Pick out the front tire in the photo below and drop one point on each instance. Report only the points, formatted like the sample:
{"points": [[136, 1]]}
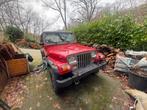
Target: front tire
{"points": [[53, 79]]}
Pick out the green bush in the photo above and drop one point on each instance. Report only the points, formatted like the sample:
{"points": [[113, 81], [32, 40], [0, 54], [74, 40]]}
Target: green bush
{"points": [[117, 31], [29, 37], [141, 46], [13, 33]]}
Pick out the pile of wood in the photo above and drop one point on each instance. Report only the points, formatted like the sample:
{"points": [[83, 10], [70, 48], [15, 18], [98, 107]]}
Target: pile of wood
{"points": [[109, 52]]}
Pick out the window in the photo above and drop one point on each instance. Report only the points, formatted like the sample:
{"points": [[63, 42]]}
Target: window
{"points": [[59, 38]]}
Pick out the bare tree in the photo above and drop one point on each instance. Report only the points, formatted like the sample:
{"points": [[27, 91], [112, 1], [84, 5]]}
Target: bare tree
{"points": [[13, 13], [86, 8], [2, 2], [59, 6], [38, 25]]}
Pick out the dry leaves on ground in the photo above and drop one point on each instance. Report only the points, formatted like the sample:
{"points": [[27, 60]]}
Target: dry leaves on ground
{"points": [[14, 92]]}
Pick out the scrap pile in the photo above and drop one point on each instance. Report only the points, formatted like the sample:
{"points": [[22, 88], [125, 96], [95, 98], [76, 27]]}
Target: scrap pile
{"points": [[27, 44], [132, 64], [7, 52], [11, 58], [131, 60], [109, 52]]}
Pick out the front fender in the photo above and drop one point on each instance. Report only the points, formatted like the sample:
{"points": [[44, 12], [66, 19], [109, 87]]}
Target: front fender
{"points": [[51, 65]]}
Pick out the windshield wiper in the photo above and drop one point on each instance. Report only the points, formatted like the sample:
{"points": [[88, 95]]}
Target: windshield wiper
{"points": [[61, 38]]}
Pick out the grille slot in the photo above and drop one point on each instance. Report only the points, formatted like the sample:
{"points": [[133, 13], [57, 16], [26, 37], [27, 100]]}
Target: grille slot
{"points": [[84, 59]]}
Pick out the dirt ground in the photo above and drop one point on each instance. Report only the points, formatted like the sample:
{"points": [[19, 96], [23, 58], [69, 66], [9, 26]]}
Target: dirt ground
{"points": [[97, 92]]}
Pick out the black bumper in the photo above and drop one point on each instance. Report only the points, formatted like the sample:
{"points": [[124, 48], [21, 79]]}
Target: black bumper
{"points": [[79, 74]]}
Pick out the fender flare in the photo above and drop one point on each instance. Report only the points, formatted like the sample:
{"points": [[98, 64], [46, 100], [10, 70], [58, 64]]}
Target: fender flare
{"points": [[51, 65]]}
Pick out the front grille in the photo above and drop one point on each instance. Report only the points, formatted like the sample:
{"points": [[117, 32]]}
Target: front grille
{"points": [[84, 59]]}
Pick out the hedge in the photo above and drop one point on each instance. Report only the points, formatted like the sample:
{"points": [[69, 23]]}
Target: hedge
{"points": [[117, 31]]}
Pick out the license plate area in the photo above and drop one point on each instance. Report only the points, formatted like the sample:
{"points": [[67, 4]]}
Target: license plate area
{"points": [[87, 69]]}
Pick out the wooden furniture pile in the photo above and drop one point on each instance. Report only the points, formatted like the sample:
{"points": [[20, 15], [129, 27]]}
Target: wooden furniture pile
{"points": [[12, 63]]}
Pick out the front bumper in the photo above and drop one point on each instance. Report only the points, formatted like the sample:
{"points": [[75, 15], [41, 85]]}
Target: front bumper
{"points": [[79, 74]]}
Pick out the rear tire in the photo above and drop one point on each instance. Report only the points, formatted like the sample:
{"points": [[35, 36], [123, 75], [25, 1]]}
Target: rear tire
{"points": [[53, 78]]}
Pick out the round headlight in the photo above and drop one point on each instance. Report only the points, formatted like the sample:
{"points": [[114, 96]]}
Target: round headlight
{"points": [[93, 54], [72, 60]]}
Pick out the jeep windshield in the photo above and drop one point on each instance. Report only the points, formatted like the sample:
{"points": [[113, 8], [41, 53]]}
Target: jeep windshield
{"points": [[58, 38]]}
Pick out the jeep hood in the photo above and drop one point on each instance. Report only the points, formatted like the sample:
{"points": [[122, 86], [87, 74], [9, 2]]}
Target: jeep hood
{"points": [[67, 49]]}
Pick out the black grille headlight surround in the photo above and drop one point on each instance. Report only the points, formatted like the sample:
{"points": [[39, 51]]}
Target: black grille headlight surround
{"points": [[72, 60], [93, 54]]}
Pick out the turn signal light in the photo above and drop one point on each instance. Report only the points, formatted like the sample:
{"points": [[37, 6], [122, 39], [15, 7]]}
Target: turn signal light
{"points": [[65, 69]]}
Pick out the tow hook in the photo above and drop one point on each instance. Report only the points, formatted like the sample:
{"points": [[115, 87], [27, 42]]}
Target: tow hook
{"points": [[77, 82]]}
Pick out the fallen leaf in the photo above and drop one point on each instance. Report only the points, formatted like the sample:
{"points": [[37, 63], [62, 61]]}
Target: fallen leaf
{"points": [[38, 104]]}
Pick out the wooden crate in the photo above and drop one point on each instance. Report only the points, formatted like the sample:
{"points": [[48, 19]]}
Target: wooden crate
{"points": [[17, 67]]}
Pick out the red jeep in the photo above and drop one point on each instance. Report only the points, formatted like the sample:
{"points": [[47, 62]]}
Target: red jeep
{"points": [[67, 60]]}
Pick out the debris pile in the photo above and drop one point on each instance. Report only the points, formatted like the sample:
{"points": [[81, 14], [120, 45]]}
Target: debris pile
{"points": [[130, 66], [11, 57], [14, 91], [109, 52], [7, 52], [26, 44], [126, 62], [134, 65]]}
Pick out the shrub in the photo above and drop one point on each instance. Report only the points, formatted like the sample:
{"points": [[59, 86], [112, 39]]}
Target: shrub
{"points": [[117, 31], [13, 33], [141, 46], [29, 37]]}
